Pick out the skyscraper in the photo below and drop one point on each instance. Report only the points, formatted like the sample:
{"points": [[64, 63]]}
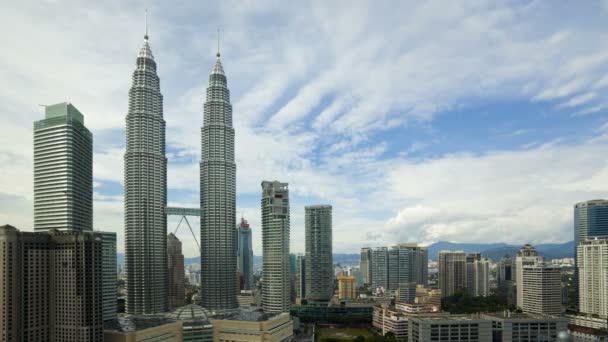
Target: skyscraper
{"points": [[108, 254], [413, 264], [482, 277], [51, 285], [379, 266], [275, 247], [452, 272], [63, 170], [541, 289], [590, 221], [175, 272], [365, 265], [319, 258], [592, 256], [527, 256], [218, 197], [145, 191], [300, 277], [245, 254], [471, 258], [393, 269]]}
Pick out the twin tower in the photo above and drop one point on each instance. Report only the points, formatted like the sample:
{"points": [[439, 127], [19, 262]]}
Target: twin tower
{"points": [[145, 194]]}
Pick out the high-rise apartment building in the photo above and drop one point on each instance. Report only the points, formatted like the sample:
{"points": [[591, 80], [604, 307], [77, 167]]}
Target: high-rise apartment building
{"points": [[63, 170], [108, 251], [218, 196], [413, 264], [52, 285], [541, 289], [590, 221], [393, 269], [471, 258], [300, 276], [346, 287], [592, 258], [275, 247], [452, 272], [379, 267], [175, 272], [145, 191], [482, 277], [527, 256], [245, 254], [319, 257], [505, 271], [365, 265]]}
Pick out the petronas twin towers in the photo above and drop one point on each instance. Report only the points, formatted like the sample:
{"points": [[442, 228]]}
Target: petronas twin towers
{"points": [[145, 193]]}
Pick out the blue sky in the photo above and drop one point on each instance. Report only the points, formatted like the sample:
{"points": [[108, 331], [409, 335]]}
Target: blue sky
{"points": [[468, 121]]}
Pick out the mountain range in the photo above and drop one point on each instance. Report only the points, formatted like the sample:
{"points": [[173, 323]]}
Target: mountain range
{"points": [[494, 251]]}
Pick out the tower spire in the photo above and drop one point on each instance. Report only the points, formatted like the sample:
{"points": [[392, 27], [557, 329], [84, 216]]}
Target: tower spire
{"points": [[218, 43], [146, 35]]}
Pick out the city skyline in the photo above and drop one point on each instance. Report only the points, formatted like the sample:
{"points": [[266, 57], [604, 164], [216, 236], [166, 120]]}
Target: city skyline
{"points": [[313, 122]]}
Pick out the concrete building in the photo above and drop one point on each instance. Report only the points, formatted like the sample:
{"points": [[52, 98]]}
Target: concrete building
{"points": [[365, 265], [541, 289], [406, 293], [147, 328], [319, 257], [145, 191], [471, 258], [389, 320], [63, 170], [592, 263], [452, 272], [450, 328], [587, 328], [52, 285], [510, 326], [413, 264], [218, 197], [346, 287], [175, 272], [527, 256], [244, 261], [505, 278], [108, 252], [300, 276], [379, 267], [481, 277], [275, 247], [252, 326], [430, 297], [196, 326]]}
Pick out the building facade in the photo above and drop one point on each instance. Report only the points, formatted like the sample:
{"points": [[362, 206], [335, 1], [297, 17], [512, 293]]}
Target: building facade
{"points": [[63, 170], [145, 191], [276, 296], [319, 257], [482, 277], [253, 327], [451, 328], [52, 283], [110, 307], [452, 272], [541, 289], [471, 258], [245, 254], [218, 196], [300, 276], [347, 287], [527, 256], [145, 328], [175, 272], [592, 263], [379, 267], [365, 265], [510, 326]]}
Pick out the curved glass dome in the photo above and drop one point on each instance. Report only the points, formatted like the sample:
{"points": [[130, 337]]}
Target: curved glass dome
{"points": [[191, 312]]}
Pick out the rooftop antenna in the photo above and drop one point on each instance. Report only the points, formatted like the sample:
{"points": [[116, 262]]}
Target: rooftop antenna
{"points": [[218, 43], [146, 36]]}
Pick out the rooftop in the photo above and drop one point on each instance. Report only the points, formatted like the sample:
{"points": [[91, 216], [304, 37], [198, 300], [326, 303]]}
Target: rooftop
{"points": [[190, 312], [127, 323], [246, 314], [516, 316]]}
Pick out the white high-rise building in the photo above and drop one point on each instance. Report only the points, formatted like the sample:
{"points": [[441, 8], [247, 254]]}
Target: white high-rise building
{"points": [[541, 289], [482, 277], [527, 256], [276, 295], [592, 259]]}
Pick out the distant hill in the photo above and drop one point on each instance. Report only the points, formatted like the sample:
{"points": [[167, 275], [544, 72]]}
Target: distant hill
{"points": [[494, 251]]}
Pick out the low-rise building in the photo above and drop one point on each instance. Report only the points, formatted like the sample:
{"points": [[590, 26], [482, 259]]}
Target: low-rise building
{"points": [[346, 287], [448, 328], [252, 326], [343, 312], [508, 326], [587, 328], [389, 320], [196, 326], [127, 328]]}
